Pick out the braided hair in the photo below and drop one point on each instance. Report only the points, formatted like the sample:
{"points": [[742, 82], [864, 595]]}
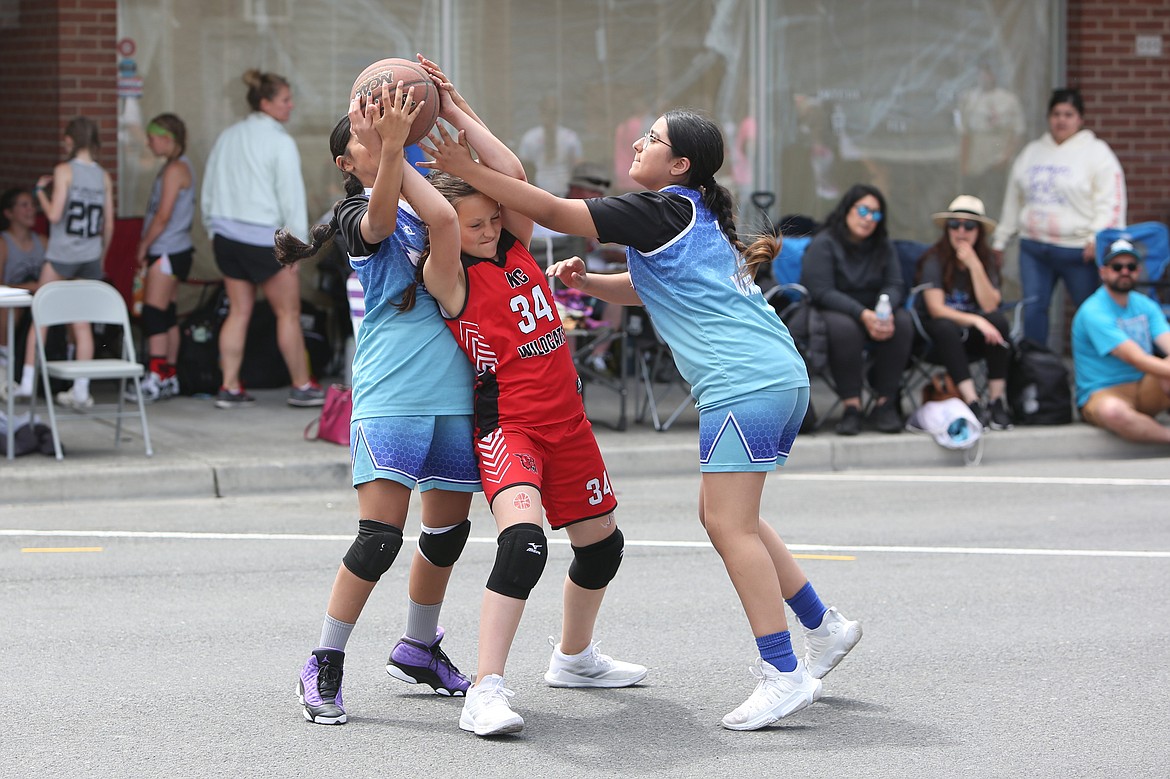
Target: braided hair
{"points": [[289, 249], [700, 140]]}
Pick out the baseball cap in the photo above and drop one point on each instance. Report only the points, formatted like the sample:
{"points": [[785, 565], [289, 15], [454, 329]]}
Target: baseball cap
{"points": [[1120, 247]]}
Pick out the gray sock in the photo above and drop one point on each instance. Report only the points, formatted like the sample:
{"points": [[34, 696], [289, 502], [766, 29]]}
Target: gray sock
{"points": [[422, 622], [335, 633]]}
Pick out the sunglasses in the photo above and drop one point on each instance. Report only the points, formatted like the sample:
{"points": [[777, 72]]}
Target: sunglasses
{"points": [[1118, 267], [650, 138], [962, 224], [874, 214]]}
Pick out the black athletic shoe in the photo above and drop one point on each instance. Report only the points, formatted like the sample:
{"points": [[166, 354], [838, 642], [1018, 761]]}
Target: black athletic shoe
{"points": [[850, 423], [886, 417], [1000, 418], [981, 413]]}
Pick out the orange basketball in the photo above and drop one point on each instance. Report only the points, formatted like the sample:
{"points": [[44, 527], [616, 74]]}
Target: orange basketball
{"points": [[391, 71]]}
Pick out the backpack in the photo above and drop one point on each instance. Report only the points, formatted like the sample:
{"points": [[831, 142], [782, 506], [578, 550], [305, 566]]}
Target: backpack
{"points": [[198, 364], [1038, 386]]}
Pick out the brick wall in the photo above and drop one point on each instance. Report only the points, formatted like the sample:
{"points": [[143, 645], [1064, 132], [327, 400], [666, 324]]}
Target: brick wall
{"points": [[1127, 95], [57, 60]]}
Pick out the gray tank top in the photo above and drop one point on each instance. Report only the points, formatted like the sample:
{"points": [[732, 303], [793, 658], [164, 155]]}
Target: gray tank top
{"points": [[176, 237], [77, 237], [23, 265]]}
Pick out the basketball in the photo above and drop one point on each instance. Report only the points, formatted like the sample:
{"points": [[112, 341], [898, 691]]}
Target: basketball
{"points": [[391, 71]]}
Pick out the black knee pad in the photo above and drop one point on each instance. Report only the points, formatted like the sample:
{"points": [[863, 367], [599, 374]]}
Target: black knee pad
{"points": [[594, 566], [154, 320], [373, 551], [172, 316], [443, 549], [520, 558]]}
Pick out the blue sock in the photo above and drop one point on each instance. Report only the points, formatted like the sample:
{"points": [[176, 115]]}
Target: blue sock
{"points": [[807, 606], [777, 650]]}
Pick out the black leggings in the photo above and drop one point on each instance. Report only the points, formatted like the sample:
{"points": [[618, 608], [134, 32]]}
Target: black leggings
{"points": [[955, 346], [848, 341]]}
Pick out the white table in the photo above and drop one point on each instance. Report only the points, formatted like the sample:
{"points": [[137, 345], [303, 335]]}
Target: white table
{"points": [[12, 298]]}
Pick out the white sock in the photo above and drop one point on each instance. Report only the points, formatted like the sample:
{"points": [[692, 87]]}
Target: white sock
{"points": [[26, 380], [81, 389]]}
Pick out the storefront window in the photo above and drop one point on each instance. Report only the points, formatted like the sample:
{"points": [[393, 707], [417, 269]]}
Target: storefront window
{"points": [[811, 96]]}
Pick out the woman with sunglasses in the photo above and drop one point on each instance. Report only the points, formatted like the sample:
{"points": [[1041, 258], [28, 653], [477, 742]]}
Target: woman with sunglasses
{"points": [[1064, 187], [961, 307], [848, 266]]}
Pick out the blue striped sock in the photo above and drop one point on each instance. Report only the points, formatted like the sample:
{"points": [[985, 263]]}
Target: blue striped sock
{"points": [[807, 606], [776, 648]]}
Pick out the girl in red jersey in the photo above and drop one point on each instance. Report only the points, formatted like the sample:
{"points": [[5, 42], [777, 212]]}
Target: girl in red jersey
{"points": [[536, 449]]}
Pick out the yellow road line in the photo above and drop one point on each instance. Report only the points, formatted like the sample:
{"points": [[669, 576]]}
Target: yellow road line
{"points": [[55, 549], [824, 557]]}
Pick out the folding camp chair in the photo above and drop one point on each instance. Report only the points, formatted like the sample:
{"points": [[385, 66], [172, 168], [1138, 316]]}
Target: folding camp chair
{"points": [[64, 302], [657, 375], [1151, 240]]}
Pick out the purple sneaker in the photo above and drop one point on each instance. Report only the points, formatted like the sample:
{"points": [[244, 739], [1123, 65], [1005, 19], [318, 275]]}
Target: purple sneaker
{"points": [[413, 662], [319, 688]]}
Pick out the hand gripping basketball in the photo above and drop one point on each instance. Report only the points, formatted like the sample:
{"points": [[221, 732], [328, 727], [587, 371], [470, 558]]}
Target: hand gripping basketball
{"points": [[391, 71]]}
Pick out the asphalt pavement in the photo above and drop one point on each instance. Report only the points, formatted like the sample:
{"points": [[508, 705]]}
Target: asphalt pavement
{"points": [[1015, 625]]}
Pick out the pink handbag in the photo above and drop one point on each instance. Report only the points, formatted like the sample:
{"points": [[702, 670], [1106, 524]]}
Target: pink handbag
{"points": [[333, 424]]}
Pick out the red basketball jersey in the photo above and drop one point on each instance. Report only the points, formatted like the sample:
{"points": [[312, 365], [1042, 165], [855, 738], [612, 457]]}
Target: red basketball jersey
{"points": [[510, 329]]}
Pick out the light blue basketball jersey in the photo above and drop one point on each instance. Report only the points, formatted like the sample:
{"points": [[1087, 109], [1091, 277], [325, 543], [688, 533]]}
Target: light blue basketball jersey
{"points": [[406, 363], [727, 341]]}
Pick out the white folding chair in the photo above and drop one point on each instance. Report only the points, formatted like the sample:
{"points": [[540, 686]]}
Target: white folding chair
{"points": [[64, 302]]}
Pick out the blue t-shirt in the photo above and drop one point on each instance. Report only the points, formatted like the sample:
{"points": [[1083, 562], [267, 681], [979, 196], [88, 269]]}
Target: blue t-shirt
{"points": [[406, 363], [726, 340], [1099, 327]]}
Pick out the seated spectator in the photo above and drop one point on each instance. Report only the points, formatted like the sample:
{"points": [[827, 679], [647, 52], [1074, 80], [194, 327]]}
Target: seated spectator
{"points": [[961, 307], [847, 267], [1121, 385], [22, 253]]}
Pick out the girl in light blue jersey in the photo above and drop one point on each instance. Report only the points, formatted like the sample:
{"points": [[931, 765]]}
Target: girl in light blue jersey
{"points": [[689, 269], [411, 423]]}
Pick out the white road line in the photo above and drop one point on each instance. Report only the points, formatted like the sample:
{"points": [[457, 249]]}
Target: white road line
{"points": [[943, 550], [908, 478]]}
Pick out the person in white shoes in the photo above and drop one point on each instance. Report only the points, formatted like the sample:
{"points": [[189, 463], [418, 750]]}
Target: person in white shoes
{"points": [[77, 244], [537, 453], [689, 269]]}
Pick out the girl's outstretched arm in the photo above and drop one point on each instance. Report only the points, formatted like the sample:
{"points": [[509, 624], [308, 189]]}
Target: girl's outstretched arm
{"points": [[381, 127], [491, 150], [442, 272], [561, 214], [610, 287]]}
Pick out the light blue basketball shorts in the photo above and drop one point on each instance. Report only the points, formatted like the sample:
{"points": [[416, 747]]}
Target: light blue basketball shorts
{"points": [[752, 433]]}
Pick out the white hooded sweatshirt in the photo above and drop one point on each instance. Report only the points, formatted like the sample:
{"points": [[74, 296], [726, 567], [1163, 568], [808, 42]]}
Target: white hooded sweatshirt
{"points": [[1062, 194]]}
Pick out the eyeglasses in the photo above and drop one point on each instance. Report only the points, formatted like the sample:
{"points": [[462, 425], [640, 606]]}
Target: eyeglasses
{"points": [[650, 138], [1128, 267], [866, 211], [962, 224]]}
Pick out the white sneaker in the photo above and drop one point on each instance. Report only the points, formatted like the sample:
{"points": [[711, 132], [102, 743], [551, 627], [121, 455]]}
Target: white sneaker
{"points": [[66, 399], [169, 388], [486, 711], [590, 669], [151, 389], [776, 696], [827, 645]]}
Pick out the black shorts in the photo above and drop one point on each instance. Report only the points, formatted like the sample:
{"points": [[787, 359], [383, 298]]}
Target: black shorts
{"points": [[245, 261], [180, 263]]}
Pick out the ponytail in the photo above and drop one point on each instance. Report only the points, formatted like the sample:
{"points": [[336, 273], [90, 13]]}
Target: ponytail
{"points": [[718, 200], [763, 250], [290, 250]]}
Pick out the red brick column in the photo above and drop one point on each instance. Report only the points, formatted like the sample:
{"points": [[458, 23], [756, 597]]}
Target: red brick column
{"points": [[57, 60], [1127, 95]]}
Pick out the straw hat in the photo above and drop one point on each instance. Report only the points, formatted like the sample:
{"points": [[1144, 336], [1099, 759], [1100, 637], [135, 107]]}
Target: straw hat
{"points": [[965, 207]]}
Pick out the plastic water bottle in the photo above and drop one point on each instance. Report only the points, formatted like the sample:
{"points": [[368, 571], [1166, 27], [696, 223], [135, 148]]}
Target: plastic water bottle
{"points": [[883, 308]]}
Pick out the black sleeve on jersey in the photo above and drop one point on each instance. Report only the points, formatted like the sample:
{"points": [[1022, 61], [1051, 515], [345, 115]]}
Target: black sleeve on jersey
{"points": [[349, 213], [643, 220]]}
